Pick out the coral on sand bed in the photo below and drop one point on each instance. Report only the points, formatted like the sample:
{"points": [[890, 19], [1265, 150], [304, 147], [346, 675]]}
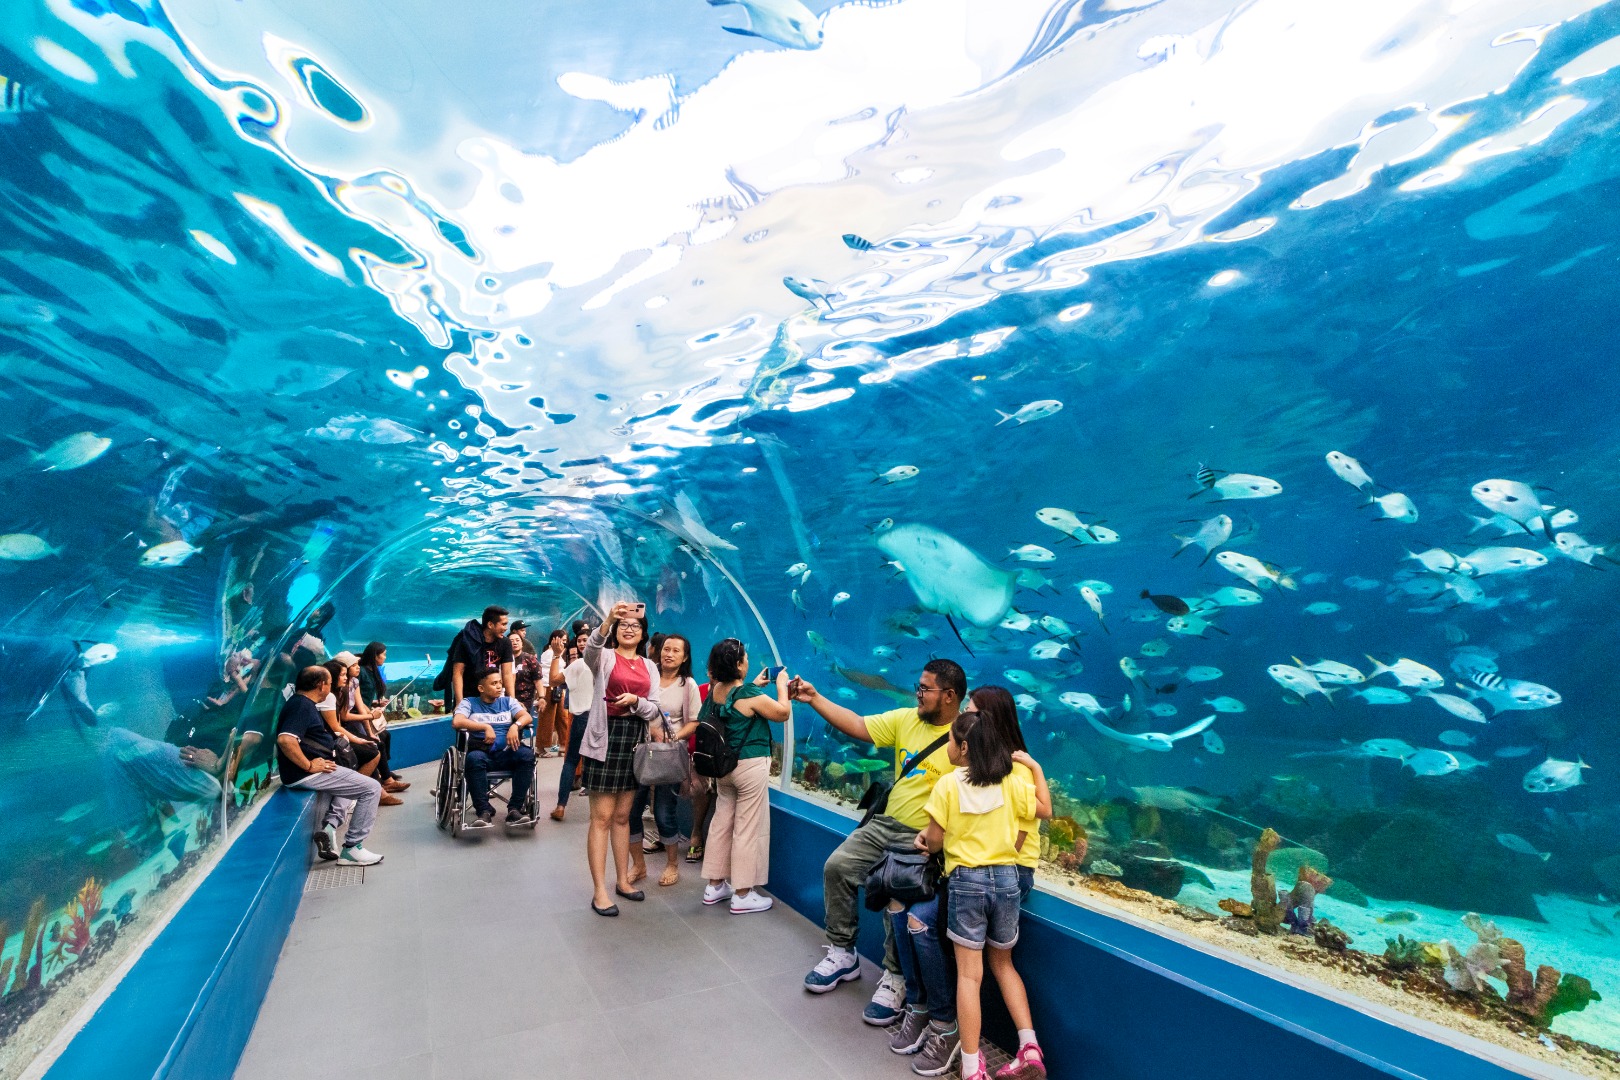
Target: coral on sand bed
{"points": [[1268, 912]]}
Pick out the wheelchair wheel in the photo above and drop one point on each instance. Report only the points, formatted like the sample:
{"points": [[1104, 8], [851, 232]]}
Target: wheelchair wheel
{"points": [[444, 792]]}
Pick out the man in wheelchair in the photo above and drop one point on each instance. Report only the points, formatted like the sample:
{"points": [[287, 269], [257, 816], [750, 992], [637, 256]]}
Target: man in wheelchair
{"points": [[495, 724]]}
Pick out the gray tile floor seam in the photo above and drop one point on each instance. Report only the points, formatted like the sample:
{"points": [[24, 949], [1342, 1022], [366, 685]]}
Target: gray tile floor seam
{"points": [[424, 952]]}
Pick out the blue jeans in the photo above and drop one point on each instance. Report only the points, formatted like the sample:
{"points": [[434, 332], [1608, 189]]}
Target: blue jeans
{"points": [[519, 762], [576, 733], [984, 906], [930, 982], [665, 799]]}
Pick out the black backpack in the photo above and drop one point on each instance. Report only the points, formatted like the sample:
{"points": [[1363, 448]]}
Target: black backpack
{"points": [[712, 753]]}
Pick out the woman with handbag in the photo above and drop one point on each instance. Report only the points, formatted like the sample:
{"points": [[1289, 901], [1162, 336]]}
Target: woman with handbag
{"points": [[623, 680], [678, 696], [738, 856]]}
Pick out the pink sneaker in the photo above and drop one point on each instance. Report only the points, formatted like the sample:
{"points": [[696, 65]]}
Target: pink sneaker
{"points": [[1027, 1064]]}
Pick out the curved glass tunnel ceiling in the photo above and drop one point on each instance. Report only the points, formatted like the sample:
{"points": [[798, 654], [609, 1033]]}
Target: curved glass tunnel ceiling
{"points": [[820, 336]]}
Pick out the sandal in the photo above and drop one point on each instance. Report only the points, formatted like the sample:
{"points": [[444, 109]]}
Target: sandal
{"points": [[637, 875], [694, 854], [671, 876]]}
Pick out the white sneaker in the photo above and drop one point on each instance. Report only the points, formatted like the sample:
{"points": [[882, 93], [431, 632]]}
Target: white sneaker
{"points": [[326, 842], [713, 894], [839, 965], [750, 903], [359, 856], [887, 1002]]}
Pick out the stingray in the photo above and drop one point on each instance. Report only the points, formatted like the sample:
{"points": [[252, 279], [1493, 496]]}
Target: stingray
{"points": [[949, 578]]}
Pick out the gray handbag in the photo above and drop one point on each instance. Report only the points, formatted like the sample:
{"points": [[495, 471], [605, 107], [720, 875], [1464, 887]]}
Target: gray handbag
{"points": [[661, 763]]}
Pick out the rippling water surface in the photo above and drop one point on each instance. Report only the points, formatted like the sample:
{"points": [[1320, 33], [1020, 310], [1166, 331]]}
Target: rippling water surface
{"points": [[354, 323]]}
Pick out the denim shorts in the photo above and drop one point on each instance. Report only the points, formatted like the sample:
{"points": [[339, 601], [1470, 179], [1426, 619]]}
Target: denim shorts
{"points": [[983, 906]]}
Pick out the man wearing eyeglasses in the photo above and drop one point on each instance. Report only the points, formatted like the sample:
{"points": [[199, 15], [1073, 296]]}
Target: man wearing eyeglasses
{"points": [[928, 1027]]}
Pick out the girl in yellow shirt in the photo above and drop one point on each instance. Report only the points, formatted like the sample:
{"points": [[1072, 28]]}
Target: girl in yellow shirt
{"points": [[980, 815]]}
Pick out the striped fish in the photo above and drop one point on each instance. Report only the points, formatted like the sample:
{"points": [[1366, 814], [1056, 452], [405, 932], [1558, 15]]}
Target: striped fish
{"points": [[1488, 681], [857, 243]]}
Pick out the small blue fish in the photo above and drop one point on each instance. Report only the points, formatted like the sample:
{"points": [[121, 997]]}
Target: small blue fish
{"points": [[857, 243]]}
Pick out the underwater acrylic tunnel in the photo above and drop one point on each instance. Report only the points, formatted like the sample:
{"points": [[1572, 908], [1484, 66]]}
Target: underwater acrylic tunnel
{"points": [[1233, 382]]}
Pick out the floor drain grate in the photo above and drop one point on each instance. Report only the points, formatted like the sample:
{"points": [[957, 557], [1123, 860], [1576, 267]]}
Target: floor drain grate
{"points": [[994, 1056], [334, 876]]}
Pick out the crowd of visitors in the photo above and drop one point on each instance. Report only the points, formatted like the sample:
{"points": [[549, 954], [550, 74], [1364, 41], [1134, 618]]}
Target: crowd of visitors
{"points": [[636, 729]]}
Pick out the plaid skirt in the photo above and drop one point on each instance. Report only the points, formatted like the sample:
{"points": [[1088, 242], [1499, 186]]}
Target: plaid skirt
{"points": [[617, 771]]}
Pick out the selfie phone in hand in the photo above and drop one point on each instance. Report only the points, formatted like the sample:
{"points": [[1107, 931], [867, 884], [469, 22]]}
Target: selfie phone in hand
{"points": [[638, 611]]}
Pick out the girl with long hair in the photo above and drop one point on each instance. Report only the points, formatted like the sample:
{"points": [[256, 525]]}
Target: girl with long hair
{"points": [[738, 855], [678, 697], [982, 815]]}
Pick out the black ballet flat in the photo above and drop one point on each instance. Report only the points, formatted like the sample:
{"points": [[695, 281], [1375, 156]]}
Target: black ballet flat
{"points": [[636, 895], [610, 911]]}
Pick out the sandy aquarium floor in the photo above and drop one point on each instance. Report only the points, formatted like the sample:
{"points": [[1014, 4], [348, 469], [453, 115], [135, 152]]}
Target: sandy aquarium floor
{"points": [[1596, 956]]}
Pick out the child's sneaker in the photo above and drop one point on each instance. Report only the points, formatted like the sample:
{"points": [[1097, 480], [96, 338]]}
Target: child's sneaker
{"points": [[1027, 1064], [979, 1073]]}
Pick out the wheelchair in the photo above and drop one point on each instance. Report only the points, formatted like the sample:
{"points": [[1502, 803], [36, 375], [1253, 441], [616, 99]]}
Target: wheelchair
{"points": [[452, 799]]}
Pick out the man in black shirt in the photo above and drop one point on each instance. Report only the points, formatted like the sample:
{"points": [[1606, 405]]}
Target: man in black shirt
{"points": [[307, 758], [482, 645]]}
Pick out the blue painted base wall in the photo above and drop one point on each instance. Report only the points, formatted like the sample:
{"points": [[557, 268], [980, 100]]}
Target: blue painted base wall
{"points": [[1111, 999], [419, 742], [186, 1008]]}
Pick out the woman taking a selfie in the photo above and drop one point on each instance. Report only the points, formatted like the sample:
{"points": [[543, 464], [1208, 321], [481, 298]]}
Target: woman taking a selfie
{"points": [[625, 682], [738, 855]]}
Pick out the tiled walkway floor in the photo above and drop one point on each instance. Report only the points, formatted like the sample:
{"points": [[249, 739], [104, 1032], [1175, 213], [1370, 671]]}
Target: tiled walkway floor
{"points": [[480, 959]]}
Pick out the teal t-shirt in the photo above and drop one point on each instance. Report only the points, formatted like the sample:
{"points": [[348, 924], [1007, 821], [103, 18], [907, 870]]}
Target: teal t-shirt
{"points": [[750, 736]]}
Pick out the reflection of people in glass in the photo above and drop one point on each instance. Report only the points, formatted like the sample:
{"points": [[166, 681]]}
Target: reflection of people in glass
{"points": [[140, 772]]}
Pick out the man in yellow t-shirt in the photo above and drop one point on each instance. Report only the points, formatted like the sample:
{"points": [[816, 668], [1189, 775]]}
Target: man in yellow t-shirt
{"points": [[940, 690]]}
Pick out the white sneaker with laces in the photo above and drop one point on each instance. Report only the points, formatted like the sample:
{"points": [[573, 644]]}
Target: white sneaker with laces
{"points": [[887, 1001], [753, 901], [839, 965], [713, 894], [359, 856]]}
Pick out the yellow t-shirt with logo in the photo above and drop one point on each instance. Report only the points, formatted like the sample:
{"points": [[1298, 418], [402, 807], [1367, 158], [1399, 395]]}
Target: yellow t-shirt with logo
{"points": [[1030, 854], [908, 734], [982, 839]]}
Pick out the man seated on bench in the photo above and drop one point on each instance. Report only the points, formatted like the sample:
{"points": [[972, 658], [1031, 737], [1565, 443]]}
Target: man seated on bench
{"points": [[494, 724]]}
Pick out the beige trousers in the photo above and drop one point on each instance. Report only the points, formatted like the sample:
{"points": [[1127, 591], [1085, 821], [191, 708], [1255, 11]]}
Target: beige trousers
{"points": [[739, 845]]}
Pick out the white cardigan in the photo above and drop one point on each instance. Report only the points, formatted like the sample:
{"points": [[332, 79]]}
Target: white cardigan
{"points": [[594, 744]]}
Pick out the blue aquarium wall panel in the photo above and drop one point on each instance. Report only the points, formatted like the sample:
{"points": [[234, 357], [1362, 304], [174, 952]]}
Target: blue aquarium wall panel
{"points": [[184, 1011], [1112, 998], [418, 742]]}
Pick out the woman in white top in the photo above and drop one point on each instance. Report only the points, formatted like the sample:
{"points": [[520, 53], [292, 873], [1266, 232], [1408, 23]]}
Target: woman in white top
{"points": [[677, 694], [553, 718], [580, 680]]}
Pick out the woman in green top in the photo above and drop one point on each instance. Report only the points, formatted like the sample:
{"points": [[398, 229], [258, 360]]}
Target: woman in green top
{"points": [[738, 854]]}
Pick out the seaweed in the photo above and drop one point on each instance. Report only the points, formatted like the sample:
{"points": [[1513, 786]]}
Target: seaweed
{"points": [[82, 911]]}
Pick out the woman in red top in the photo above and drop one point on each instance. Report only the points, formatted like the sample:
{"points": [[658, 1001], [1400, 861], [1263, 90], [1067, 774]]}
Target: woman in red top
{"points": [[625, 680]]}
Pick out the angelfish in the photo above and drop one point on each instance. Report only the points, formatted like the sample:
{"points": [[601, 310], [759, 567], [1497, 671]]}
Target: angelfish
{"points": [[1035, 410], [1209, 535], [1094, 602], [1349, 470], [1394, 507], [1518, 502]]}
